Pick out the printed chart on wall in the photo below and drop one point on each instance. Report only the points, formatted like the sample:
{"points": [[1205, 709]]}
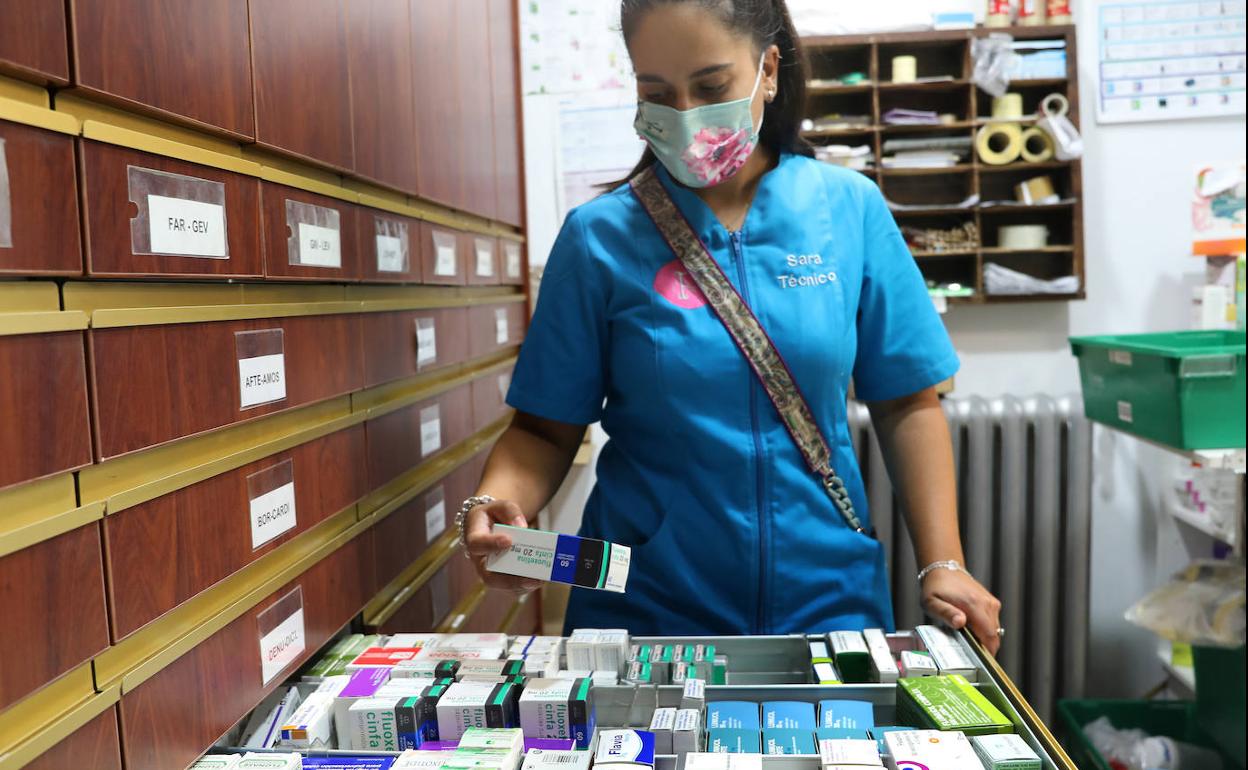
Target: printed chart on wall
{"points": [[597, 143], [571, 46], [1170, 59]]}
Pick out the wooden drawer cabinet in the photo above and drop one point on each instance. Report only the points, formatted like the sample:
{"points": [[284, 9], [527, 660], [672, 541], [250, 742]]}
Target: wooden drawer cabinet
{"points": [[440, 144], [154, 384], [404, 438], [183, 59], [168, 720], [505, 87], [462, 482], [403, 535], [148, 215], [484, 260], [39, 230], [96, 745], [445, 255], [512, 270], [210, 530], [489, 398], [34, 41], [492, 328], [308, 236], [391, 247], [52, 595], [409, 342], [44, 428], [491, 613], [427, 608], [303, 91], [383, 105]]}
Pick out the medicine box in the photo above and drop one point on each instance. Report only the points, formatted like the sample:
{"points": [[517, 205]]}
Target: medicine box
{"points": [[1005, 752], [414, 640], [848, 714], [253, 761], [791, 742], [687, 735], [539, 759], [726, 740], [312, 724], [849, 651], [879, 732], [382, 657], [948, 653], [736, 715], [721, 761], [840, 734], [216, 762], [553, 557], [788, 715], [421, 760], [474, 704], [625, 747], [825, 673], [854, 752], [364, 683], [883, 666], [694, 694], [371, 726], [948, 702], [346, 763], [546, 707], [662, 724], [917, 664], [931, 749]]}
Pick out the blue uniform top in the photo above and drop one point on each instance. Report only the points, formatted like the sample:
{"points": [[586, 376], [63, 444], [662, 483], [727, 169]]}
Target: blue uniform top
{"points": [[731, 533]]}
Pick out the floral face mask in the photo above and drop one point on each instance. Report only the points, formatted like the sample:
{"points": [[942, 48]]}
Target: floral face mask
{"points": [[703, 146]]}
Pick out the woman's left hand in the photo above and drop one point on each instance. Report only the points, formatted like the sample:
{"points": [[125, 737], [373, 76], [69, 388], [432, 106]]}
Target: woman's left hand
{"points": [[960, 601]]}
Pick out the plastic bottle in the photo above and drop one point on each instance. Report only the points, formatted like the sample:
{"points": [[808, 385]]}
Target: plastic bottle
{"points": [[1159, 753]]}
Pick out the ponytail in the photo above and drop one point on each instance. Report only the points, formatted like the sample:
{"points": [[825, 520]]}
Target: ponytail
{"points": [[767, 23]]}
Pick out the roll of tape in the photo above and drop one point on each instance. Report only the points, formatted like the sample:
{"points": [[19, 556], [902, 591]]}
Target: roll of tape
{"points": [[1037, 191], [999, 143], [1055, 106], [1037, 145], [1023, 237], [1007, 106], [905, 69]]}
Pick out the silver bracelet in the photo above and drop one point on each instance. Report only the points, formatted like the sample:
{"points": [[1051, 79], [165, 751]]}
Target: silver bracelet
{"points": [[949, 564], [460, 515]]}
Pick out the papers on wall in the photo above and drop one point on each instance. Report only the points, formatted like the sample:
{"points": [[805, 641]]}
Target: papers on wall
{"points": [[597, 143], [573, 46], [1170, 59], [820, 17]]}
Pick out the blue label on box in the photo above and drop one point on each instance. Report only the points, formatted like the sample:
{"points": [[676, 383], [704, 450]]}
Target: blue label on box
{"points": [[852, 714], [788, 715], [567, 549], [788, 742], [734, 715], [841, 734], [730, 741]]}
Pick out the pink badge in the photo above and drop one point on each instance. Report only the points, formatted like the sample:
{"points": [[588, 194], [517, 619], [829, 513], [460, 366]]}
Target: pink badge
{"points": [[675, 284]]}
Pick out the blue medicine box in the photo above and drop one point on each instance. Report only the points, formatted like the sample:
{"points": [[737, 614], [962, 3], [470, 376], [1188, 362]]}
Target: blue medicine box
{"points": [[735, 715], [852, 714], [789, 715]]}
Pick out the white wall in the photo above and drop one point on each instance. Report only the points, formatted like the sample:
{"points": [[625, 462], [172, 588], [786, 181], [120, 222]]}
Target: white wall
{"points": [[1137, 183]]}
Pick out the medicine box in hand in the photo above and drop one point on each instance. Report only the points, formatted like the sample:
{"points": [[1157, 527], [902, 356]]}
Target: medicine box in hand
{"points": [[556, 558]]}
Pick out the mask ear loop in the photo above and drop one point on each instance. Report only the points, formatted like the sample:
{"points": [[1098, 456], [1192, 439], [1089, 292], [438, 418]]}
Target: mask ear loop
{"points": [[758, 80]]}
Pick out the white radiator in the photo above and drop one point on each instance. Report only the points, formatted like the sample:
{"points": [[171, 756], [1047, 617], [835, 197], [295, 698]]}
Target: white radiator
{"points": [[1024, 495]]}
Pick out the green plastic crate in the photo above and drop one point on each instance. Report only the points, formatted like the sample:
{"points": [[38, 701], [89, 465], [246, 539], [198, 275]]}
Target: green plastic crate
{"points": [[1220, 698], [1181, 389], [1173, 719]]}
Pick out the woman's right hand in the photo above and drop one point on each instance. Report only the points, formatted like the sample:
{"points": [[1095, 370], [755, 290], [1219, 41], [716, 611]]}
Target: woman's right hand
{"points": [[481, 541]]}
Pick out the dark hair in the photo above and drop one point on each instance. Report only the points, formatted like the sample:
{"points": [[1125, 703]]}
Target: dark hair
{"points": [[768, 23]]}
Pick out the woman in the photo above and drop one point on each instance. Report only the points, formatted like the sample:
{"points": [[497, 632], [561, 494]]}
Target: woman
{"points": [[731, 531]]}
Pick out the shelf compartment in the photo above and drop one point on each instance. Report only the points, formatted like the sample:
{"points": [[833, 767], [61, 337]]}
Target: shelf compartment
{"points": [[814, 88], [924, 128], [1048, 165], [961, 168], [996, 251], [955, 84]]}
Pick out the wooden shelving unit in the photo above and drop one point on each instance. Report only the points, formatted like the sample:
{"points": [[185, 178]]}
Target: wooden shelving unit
{"points": [[945, 86]]}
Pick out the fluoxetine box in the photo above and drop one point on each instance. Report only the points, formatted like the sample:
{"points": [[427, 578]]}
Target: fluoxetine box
{"points": [[312, 724], [687, 733], [580, 649], [854, 752], [883, 667], [734, 715], [546, 707], [729, 741], [467, 704], [850, 714], [948, 653], [723, 761], [252, 761], [364, 683], [371, 725], [634, 748], [1005, 752], [553, 557], [662, 723], [540, 759], [931, 749], [788, 742], [694, 694], [853, 660], [788, 715]]}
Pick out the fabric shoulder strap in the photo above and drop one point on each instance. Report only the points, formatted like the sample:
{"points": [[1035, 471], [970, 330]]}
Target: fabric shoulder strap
{"points": [[748, 334]]}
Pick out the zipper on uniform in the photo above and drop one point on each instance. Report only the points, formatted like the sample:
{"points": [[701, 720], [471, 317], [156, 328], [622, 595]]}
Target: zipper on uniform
{"points": [[760, 626]]}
